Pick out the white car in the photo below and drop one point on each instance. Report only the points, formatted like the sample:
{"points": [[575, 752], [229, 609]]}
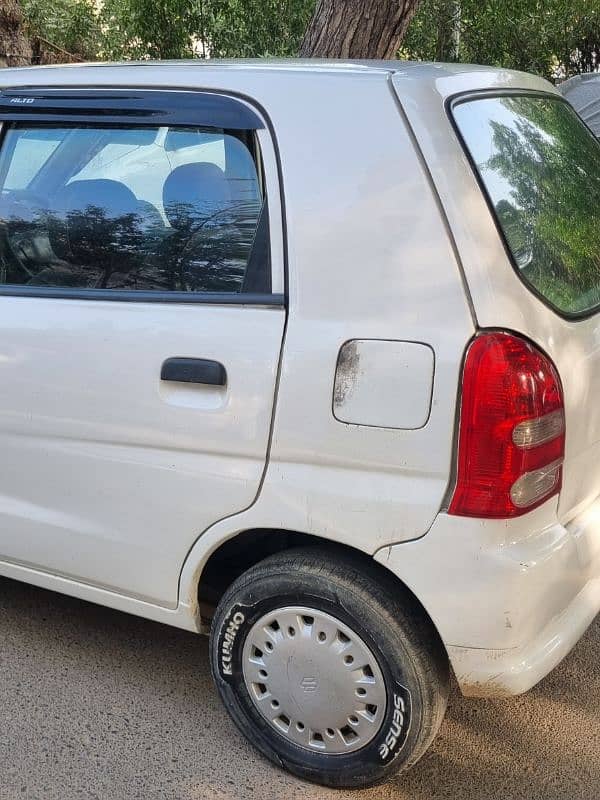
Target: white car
{"points": [[306, 356]]}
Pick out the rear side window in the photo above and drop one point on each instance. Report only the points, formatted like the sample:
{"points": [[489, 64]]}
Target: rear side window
{"points": [[159, 209], [540, 167]]}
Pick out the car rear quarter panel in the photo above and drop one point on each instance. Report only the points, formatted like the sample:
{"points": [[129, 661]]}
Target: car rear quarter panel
{"points": [[500, 299], [369, 258]]}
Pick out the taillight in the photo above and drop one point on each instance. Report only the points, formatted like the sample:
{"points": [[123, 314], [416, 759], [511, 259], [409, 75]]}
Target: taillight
{"points": [[511, 438]]}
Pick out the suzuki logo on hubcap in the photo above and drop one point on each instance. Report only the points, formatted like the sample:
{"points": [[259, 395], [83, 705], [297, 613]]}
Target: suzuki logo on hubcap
{"points": [[309, 684]]}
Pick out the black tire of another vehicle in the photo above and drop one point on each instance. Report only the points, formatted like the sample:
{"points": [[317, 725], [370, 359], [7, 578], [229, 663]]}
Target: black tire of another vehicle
{"points": [[406, 647]]}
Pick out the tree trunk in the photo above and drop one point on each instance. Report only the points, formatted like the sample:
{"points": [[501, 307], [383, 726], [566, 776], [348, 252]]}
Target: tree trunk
{"points": [[15, 50], [447, 46], [357, 28]]}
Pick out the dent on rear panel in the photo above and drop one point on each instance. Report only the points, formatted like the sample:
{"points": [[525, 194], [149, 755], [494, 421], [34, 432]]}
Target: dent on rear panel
{"points": [[384, 384]]}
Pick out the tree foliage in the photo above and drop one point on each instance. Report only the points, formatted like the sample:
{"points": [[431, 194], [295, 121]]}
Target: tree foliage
{"points": [[151, 28], [251, 28], [554, 38], [219, 28], [72, 25]]}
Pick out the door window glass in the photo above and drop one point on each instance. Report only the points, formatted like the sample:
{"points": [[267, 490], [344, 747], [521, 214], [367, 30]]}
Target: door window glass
{"points": [[32, 150], [151, 209]]}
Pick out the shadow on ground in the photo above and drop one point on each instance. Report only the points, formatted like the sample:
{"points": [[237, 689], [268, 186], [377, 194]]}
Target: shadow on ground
{"points": [[99, 704]]}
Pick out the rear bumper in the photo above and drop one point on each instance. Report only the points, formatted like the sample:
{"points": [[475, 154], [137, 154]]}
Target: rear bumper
{"points": [[498, 673], [509, 598]]}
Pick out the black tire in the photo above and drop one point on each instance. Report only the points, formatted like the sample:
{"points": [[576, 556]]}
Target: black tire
{"points": [[405, 644]]}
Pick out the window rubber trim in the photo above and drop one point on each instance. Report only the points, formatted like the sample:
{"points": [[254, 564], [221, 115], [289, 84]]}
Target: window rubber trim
{"points": [[483, 94], [144, 296]]}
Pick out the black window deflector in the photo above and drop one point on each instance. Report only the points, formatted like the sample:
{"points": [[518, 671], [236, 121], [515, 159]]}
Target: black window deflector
{"points": [[150, 106]]}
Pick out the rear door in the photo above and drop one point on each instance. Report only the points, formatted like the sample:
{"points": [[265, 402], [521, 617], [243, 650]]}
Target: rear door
{"points": [[141, 320]]}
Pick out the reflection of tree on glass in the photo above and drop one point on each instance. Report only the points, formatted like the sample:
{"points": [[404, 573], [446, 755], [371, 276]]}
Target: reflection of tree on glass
{"points": [[95, 245], [541, 168], [209, 253], [153, 209], [211, 230]]}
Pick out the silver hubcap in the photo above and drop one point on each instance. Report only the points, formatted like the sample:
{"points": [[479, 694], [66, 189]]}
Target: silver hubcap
{"points": [[314, 680]]}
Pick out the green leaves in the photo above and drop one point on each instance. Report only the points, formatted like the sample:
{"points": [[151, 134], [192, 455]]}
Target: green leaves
{"points": [[152, 28], [252, 28], [140, 29], [553, 38], [72, 25]]}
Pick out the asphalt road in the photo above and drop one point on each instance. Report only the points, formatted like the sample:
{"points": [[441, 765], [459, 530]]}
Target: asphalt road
{"points": [[99, 704]]}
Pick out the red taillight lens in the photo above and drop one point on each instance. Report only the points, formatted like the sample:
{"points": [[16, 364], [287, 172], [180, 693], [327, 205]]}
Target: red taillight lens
{"points": [[512, 429]]}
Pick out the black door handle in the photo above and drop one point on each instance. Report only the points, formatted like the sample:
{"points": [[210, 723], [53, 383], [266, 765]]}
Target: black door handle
{"points": [[194, 370]]}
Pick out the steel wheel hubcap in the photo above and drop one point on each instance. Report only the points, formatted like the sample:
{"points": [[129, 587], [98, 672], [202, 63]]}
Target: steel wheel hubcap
{"points": [[314, 680]]}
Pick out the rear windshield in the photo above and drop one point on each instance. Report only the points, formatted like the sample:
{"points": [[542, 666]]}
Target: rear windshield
{"points": [[540, 166]]}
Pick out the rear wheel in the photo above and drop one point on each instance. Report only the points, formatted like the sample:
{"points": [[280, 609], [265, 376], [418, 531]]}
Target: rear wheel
{"points": [[329, 668]]}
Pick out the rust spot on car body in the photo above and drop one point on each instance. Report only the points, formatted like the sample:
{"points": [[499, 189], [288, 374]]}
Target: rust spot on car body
{"points": [[346, 373]]}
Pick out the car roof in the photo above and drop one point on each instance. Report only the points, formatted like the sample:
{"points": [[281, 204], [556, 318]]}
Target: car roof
{"points": [[256, 75], [425, 70]]}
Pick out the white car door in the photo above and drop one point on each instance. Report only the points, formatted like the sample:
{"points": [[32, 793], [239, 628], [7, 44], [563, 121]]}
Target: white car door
{"points": [[140, 328]]}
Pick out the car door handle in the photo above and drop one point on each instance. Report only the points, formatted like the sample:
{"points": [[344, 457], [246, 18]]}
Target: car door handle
{"points": [[194, 370]]}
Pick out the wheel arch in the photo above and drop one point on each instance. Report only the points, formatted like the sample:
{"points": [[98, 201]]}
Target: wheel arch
{"points": [[229, 559]]}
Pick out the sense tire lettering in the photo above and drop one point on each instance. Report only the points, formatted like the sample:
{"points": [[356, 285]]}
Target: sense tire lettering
{"points": [[397, 732]]}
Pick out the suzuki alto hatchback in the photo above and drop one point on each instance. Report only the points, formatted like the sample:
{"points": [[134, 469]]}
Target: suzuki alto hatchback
{"points": [[306, 356]]}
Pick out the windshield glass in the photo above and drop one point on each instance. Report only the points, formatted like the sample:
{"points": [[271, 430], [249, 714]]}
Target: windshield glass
{"points": [[540, 166]]}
